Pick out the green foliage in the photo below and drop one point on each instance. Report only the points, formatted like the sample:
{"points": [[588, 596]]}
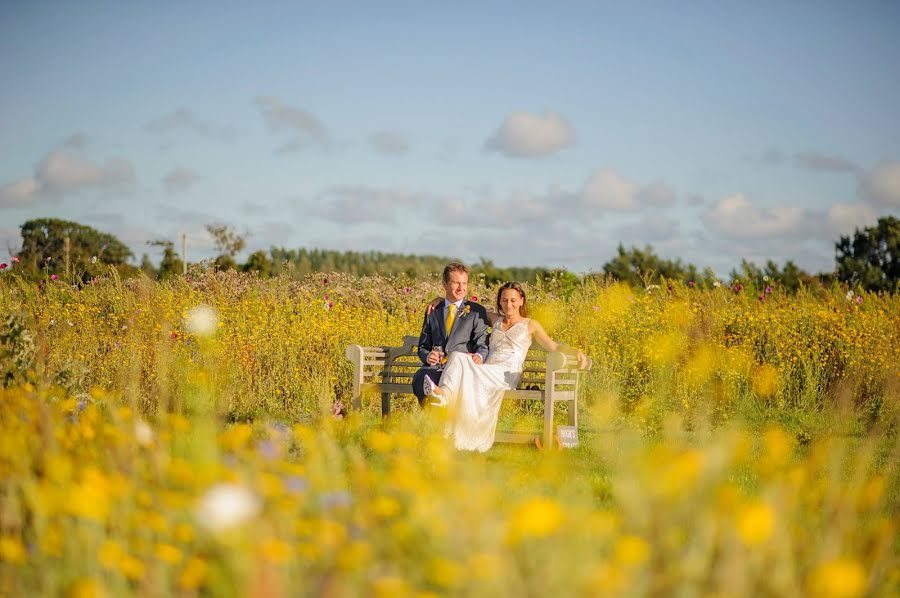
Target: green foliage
{"points": [[74, 250], [790, 277], [641, 267], [260, 263], [871, 258], [170, 265]]}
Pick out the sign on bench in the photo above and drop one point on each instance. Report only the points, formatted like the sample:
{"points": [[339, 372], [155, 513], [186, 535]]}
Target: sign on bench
{"points": [[547, 377]]}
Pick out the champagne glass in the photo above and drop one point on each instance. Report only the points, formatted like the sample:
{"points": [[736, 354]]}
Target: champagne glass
{"points": [[440, 354]]}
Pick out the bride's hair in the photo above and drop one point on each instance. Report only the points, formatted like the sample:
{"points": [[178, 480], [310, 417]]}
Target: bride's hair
{"points": [[517, 286]]}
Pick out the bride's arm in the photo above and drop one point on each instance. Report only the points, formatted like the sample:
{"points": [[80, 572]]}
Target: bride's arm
{"points": [[540, 335]]}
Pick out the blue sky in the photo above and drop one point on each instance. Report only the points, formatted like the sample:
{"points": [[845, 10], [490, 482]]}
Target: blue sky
{"points": [[527, 134]]}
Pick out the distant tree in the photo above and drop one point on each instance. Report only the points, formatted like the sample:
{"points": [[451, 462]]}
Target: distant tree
{"points": [[147, 266], [638, 267], [790, 277], [170, 265], [72, 248], [259, 262], [228, 244], [871, 258]]}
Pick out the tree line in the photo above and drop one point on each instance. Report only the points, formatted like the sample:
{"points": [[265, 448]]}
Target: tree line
{"points": [[870, 259]]}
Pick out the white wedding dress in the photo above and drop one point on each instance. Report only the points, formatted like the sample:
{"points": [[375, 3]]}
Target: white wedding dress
{"points": [[473, 392]]}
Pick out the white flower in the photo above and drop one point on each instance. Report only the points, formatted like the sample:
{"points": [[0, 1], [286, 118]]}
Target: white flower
{"points": [[717, 284], [94, 259], [849, 295], [202, 320], [143, 433], [225, 506], [766, 278]]}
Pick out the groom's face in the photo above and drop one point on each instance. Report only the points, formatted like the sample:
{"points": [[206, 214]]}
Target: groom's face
{"points": [[457, 286]]}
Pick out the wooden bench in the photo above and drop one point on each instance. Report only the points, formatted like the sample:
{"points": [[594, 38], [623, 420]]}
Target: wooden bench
{"points": [[549, 377]]}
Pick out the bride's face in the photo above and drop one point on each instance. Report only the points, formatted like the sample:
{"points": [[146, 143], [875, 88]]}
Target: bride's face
{"points": [[510, 302]]}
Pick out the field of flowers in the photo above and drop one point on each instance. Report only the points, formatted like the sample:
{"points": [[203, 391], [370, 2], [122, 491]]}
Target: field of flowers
{"points": [[175, 439]]}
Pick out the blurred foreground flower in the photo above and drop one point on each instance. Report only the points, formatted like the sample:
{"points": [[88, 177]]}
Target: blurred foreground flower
{"points": [[202, 320], [225, 506]]}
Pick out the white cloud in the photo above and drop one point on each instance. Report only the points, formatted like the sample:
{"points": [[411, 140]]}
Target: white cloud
{"points": [[527, 135], [739, 217], [391, 143], [608, 190], [281, 117], [76, 140], [652, 228], [881, 184], [19, 193], [184, 119], [657, 194], [180, 179], [63, 172], [354, 204], [844, 218], [60, 173], [823, 162]]}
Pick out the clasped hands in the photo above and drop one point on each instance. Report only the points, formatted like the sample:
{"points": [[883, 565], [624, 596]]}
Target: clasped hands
{"points": [[435, 357]]}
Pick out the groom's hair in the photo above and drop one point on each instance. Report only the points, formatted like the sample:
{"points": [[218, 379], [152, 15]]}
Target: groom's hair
{"points": [[454, 267]]}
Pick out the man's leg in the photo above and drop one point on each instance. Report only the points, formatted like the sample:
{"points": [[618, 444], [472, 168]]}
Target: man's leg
{"points": [[419, 378]]}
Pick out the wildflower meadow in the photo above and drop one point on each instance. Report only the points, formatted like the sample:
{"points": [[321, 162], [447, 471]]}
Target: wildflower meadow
{"points": [[177, 438]]}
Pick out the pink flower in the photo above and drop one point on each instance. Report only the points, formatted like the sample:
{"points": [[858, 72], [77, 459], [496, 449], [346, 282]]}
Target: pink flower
{"points": [[859, 299], [475, 298], [768, 290], [692, 284], [406, 290], [54, 277], [737, 288], [4, 266], [15, 259]]}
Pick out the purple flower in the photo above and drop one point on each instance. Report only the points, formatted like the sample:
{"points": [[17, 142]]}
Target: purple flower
{"points": [[295, 484], [737, 287], [4, 266], [406, 290], [768, 290]]}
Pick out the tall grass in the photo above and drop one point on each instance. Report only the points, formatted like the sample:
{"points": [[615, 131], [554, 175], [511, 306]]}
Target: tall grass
{"points": [[173, 438]]}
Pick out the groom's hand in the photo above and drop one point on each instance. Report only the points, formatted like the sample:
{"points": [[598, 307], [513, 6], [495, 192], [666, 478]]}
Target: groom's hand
{"points": [[433, 358], [476, 358]]}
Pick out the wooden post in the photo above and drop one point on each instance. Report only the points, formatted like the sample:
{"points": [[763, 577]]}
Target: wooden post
{"points": [[355, 354], [183, 253], [66, 254]]}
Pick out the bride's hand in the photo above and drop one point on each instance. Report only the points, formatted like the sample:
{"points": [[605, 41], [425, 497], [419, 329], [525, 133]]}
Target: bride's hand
{"points": [[582, 360], [433, 305]]}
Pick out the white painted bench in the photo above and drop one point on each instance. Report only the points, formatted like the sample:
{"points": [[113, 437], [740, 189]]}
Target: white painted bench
{"points": [[547, 377]]}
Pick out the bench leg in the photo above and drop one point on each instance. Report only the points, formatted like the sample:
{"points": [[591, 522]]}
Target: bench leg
{"points": [[385, 404], [548, 423], [573, 413], [356, 401]]}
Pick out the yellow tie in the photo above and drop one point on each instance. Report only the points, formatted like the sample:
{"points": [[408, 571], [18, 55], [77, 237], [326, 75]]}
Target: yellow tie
{"points": [[450, 317]]}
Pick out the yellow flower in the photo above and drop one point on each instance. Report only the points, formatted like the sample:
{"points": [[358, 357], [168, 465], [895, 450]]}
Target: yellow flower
{"points": [[443, 572], [755, 523], [275, 550], [132, 568], [535, 518], [85, 588], [194, 574], [838, 578], [631, 550], [12, 550], [168, 554]]}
